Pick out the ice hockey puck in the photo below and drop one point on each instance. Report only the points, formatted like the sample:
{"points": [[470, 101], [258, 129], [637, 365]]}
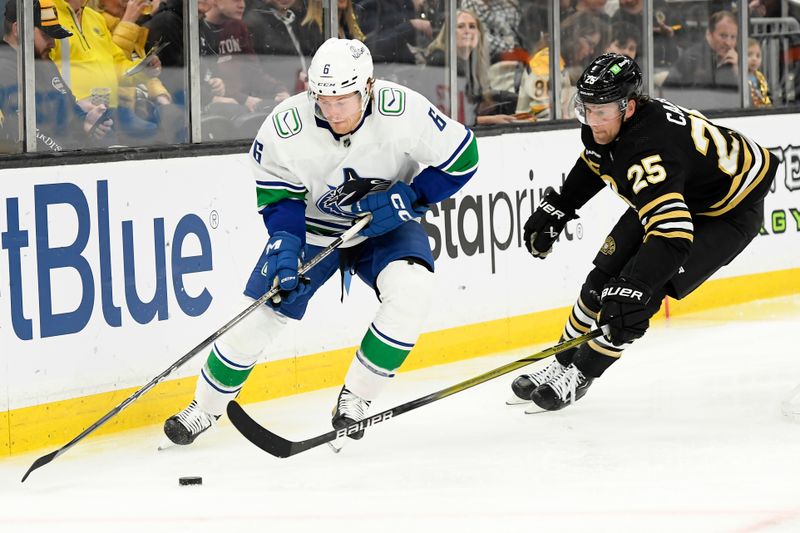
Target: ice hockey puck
{"points": [[190, 480]]}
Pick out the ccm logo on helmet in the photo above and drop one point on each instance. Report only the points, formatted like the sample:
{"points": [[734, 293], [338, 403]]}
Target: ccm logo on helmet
{"points": [[622, 291]]}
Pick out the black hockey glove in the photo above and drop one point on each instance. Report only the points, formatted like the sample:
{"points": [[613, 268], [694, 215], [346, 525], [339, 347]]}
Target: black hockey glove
{"points": [[623, 306], [546, 224]]}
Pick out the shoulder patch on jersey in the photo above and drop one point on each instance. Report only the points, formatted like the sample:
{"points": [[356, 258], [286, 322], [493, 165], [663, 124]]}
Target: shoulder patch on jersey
{"points": [[391, 101], [609, 246], [287, 123]]}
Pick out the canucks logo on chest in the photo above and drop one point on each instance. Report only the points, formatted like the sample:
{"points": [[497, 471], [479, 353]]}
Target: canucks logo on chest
{"points": [[353, 189]]}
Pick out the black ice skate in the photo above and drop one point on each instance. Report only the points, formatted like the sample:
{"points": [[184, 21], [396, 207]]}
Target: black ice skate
{"points": [[524, 385], [349, 409], [561, 391], [185, 426]]}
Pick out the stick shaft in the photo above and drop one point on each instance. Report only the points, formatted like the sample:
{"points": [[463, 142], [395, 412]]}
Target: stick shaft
{"points": [[280, 447], [344, 237]]}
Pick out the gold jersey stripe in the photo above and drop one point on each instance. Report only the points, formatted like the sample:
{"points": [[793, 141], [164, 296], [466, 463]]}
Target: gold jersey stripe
{"points": [[682, 214], [737, 180], [743, 194], [660, 200], [670, 235], [594, 167]]}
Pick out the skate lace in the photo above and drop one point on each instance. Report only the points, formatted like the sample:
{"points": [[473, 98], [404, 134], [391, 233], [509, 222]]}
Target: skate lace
{"points": [[194, 418], [567, 383], [551, 371], [352, 406]]}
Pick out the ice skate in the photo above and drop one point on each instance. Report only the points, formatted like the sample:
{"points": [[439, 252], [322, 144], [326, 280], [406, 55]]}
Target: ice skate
{"points": [[525, 384], [349, 409], [183, 428], [570, 386]]}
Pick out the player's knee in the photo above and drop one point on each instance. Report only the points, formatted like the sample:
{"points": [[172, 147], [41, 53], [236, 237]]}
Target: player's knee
{"points": [[406, 289], [246, 340]]}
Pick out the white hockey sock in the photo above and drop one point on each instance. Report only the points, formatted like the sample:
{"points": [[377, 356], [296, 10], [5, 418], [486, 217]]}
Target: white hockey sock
{"points": [[232, 358], [405, 290]]}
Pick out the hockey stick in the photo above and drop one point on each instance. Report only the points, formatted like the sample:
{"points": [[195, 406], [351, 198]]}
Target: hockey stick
{"points": [[280, 447], [344, 237]]}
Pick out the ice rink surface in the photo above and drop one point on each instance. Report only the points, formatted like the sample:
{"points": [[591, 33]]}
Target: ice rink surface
{"points": [[683, 434]]}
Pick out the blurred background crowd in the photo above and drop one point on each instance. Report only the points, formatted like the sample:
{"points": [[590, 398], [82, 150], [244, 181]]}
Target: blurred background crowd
{"points": [[117, 72]]}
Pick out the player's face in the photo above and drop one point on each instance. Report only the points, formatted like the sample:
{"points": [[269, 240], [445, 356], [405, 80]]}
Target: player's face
{"points": [[341, 112], [605, 120], [723, 38]]}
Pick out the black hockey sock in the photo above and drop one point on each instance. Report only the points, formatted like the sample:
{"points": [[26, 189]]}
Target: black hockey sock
{"points": [[592, 364]]}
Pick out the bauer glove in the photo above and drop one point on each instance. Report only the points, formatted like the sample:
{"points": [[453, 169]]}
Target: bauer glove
{"points": [[284, 254], [623, 306], [546, 224], [389, 208]]}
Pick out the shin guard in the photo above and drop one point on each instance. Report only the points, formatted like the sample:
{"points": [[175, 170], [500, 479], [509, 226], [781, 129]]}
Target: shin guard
{"points": [[405, 290]]}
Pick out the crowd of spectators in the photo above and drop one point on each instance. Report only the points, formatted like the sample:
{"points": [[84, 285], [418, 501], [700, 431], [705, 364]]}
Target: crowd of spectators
{"points": [[125, 59]]}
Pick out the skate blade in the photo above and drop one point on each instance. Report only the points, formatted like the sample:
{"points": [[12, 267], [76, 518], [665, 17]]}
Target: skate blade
{"points": [[336, 445], [166, 444], [534, 409], [516, 400]]}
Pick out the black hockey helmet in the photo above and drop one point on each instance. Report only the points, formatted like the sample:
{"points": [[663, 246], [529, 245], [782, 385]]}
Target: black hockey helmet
{"points": [[610, 78]]}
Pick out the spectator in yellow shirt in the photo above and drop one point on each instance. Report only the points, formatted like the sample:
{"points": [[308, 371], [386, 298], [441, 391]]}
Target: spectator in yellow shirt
{"points": [[94, 66]]}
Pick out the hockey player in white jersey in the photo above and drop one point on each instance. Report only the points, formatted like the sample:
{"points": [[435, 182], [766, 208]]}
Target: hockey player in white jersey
{"points": [[350, 146]]}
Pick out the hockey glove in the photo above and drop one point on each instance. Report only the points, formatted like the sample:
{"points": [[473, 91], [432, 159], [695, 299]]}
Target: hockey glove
{"points": [[623, 306], [284, 254], [389, 209], [546, 224]]}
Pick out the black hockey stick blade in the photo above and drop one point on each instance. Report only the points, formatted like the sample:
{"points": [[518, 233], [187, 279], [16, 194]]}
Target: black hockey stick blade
{"points": [[281, 447], [40, 462], [259, 435]]}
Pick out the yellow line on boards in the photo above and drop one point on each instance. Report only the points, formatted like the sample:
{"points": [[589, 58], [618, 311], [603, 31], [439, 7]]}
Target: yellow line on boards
{"points": [[53, 424]]}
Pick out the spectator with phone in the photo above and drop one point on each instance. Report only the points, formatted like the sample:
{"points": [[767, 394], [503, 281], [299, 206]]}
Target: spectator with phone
{"points": [[91, 60]]}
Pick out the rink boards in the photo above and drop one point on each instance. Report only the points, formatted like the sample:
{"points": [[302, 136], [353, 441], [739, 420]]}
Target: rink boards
{"points": [[116, 270]]}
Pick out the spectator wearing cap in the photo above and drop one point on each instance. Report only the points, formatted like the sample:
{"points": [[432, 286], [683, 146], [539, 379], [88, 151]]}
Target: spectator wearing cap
{"points": [[61, 124]]}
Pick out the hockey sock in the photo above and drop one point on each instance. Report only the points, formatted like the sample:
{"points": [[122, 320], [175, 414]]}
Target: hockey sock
{"points": [[592, 362], [375, 363], [405, 290], [581, 319], [220, 381], [233, 357]]}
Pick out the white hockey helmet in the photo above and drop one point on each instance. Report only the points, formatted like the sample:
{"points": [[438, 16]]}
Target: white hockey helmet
{"points": [[339, 67]]}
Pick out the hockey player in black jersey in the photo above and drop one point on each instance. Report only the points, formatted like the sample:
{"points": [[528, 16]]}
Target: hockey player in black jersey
{"points": [[696, 195]]}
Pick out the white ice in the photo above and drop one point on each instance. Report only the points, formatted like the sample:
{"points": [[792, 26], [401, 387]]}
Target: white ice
{"points": [[683, 434]]}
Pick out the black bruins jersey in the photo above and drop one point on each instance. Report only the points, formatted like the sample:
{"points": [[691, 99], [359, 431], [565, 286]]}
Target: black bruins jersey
{"points": [[671, 165]]}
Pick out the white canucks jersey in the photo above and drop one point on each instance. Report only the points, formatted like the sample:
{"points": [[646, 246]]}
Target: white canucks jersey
{"points": [[296, 156]]}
